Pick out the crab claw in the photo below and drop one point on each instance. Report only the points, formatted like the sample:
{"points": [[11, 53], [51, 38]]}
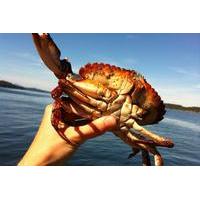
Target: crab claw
{"points": [[50, 54]]}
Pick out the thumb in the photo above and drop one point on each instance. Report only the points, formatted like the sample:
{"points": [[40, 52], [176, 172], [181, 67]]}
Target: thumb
{"points": [[98, 126], [93, 129]]}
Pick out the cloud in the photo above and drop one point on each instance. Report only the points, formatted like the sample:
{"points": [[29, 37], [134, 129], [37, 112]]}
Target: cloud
{"points": [[27, 70], [198, 86], [185, 96], [26, 58], [186, 72], [46, 83]]}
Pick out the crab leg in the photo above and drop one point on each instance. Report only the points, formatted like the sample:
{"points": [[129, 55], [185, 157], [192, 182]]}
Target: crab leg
{"points": [[135, 152], [146, 158], [158, 139], [123, 136], [71, 108], [72, 113], [57, 122], [78, 96], [86, 110], [93, 89], [64, 114], [56, 92], [50, 54], [90, 104], [142, 140], [152, 149], [130, 139]]}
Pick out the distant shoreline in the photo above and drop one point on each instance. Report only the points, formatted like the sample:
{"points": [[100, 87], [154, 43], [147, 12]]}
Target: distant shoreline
{"points": [[7, 84], [179, 107]]}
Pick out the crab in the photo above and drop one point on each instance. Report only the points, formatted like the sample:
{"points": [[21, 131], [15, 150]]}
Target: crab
{"points": [[103, 89]]}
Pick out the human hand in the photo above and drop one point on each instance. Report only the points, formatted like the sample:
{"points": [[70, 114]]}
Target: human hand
{"points": [[48, 148]]}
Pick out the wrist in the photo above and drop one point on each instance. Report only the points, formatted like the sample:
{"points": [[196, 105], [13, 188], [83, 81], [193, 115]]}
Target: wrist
{"points": [[47, 148], [55, 155]]}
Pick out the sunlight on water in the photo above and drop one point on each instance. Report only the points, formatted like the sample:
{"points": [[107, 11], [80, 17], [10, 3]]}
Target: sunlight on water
{"points": [[182, 123]]}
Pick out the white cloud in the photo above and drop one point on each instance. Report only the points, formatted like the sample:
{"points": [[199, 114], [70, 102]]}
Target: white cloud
{"points": [[20, 59], [198, 86], [180, 95], [190, 73], [27, 81], [25, 55]]}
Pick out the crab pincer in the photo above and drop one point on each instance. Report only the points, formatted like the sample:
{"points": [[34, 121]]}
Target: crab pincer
{"points": [[50, 54]]}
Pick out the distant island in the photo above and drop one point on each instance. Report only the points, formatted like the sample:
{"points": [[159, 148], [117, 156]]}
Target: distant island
{"points": [[7, 84], [179, 107]]}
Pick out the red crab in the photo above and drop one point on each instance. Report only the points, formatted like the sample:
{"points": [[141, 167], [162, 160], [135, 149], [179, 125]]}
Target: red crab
{"points": [[102, 89]]}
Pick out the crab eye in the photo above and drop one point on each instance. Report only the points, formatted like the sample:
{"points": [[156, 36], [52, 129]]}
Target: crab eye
{"points": [[69, 76], [74, 77]]}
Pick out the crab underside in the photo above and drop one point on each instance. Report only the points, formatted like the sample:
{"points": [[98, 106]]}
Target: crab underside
{"points": [[101, 89]]}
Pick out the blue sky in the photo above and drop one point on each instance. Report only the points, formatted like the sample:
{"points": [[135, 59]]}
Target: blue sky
{"points": [[169, 62]]}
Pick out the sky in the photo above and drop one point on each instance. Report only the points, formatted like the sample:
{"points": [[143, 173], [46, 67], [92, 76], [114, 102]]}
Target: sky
{"points": [[169, 62]]}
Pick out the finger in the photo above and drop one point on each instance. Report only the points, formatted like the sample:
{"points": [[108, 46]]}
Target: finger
{"points": [[93, 129], [98, 126]]}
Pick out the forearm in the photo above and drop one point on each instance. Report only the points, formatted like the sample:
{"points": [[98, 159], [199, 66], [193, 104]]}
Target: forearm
{"points": [[47, 148], [42, 157], [53, 154]]}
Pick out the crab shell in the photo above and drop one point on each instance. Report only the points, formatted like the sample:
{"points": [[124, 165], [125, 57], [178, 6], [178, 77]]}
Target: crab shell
{"points": [[128, 82]]}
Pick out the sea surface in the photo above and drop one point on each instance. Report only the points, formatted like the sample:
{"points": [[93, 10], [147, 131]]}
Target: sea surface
{"points": [[21, 112]]}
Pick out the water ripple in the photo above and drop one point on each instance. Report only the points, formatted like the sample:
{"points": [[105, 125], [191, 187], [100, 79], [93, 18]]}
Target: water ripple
{"points": [[182, 123]]}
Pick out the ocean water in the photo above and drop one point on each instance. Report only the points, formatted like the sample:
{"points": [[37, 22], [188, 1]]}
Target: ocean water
{"points": [[21, 112]]}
